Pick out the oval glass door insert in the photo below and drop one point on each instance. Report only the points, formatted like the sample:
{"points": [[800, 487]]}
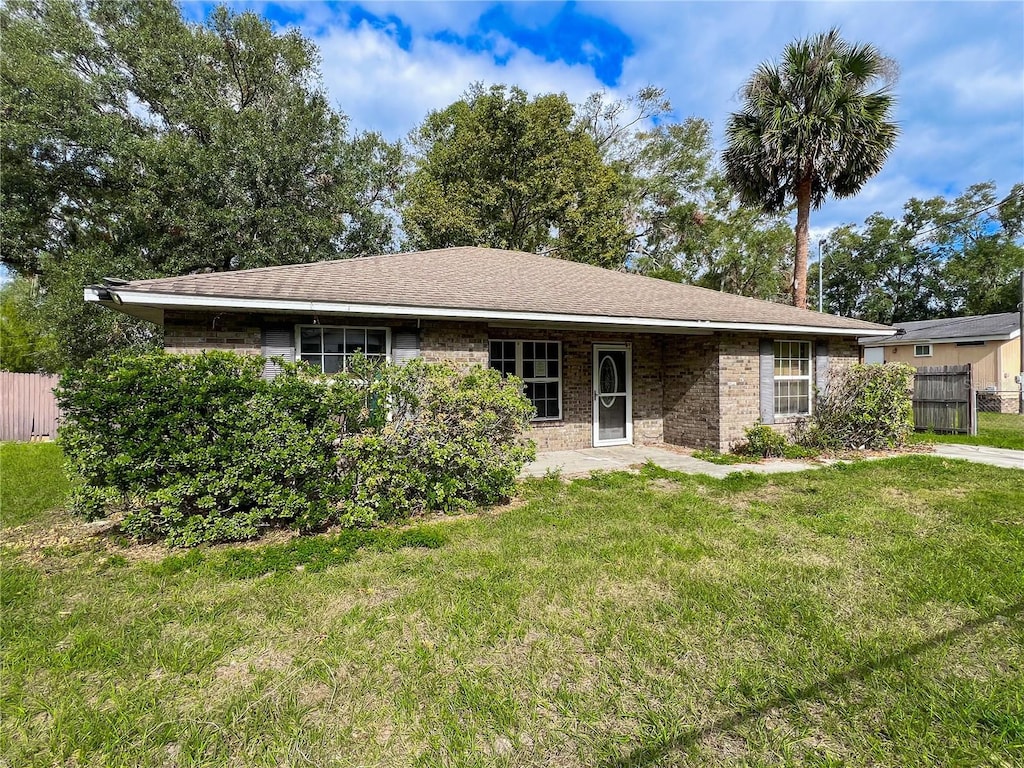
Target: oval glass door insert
{"points": [[609, 379]]}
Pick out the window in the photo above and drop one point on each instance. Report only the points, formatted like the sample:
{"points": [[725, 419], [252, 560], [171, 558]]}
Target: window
{"points": [[922, 350], [539, 365], [792, 378], [331, 347], [970, 343]]}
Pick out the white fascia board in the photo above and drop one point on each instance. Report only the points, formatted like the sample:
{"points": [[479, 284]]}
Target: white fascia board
{"points": [[168, 301], [903, 343]]}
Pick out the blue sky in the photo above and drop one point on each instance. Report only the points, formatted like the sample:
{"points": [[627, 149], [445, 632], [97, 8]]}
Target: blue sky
{"points": [[961, 88]]}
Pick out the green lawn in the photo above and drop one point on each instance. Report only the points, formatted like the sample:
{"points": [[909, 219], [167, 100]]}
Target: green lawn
{"points": [[999, 430], [864, 614], [31, 481]]}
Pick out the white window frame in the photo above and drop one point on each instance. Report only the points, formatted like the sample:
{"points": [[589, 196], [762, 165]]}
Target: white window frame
{"points": [[927, 354], [809, 378], [534, 380], [342, 355]]}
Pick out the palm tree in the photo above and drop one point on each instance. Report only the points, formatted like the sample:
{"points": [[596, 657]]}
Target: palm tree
{"points": [[816, 124]]}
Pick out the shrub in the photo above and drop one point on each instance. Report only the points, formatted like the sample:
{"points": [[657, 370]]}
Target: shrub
{"points": [[794, 451], [453, 439], [864, 406], [763, 441], [198, 448]]}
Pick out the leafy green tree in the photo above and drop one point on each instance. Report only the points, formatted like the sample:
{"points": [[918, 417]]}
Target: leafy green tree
{"points": [[942, 258], [811, 126], [686, 223], [501, 169], [138, 145], [978, 239], [748, 253], [24, 345], [879, 272]]}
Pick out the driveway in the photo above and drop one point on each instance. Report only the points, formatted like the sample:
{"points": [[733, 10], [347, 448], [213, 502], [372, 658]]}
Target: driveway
{"points": [[584, 461]]}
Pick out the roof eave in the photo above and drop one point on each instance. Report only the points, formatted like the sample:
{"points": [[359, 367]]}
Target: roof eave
{"points": [[125, 299], [102, 295], [903, 340]]}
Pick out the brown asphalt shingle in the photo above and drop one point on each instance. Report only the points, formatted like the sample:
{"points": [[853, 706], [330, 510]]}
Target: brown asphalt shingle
{"points": [[472, 278]]}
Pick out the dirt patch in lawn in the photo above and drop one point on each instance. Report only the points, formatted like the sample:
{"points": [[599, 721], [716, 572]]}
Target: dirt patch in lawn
{"points": [[61, 536], [244, 664], [664, 485], [765, 496], [64, 537]]}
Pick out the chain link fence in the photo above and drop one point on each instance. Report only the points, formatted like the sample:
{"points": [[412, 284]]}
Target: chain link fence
{"points": [[994, 400]]}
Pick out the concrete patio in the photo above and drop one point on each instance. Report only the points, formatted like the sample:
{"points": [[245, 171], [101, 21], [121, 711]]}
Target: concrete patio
{"points": [[581, 463]]}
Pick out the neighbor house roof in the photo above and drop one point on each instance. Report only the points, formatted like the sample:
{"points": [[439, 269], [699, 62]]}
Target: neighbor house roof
{"points": [[973, 328], [471, 283]]}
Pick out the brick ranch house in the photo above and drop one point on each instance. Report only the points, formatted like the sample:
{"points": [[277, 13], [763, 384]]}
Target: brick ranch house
{"points": [[608, 358]]}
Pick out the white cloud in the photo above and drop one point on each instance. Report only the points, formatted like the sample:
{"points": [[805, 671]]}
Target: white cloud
{"points": [[960, 95], [383, 87]]}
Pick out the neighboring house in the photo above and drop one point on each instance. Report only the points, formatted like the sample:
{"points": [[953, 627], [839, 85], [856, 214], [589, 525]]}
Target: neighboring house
{"points": [[990, 343], [607, 358]]}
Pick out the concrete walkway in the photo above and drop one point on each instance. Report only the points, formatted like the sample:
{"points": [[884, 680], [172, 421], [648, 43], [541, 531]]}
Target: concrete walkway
{"points": [[617, 458], [982, 454], [623, 457]]}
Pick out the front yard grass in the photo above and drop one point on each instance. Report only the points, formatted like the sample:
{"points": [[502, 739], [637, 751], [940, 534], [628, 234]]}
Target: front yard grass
{"points": [[864, 614], [31, 481], [997, 430]]}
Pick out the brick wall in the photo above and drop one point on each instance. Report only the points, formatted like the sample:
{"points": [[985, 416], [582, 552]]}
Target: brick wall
{"points": [[576, 427], [739, 387], [691, 396], [694, 391], [712, 387], [465, 344], [186, 332], [198, 330], [740, 383], [842, 352]]}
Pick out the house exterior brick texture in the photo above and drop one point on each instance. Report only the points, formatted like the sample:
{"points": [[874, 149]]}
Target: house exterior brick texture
{"points": [[698, 391], [186, 332]]}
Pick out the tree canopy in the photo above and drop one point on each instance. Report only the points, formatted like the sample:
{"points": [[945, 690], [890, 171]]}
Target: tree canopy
{"points": [[685, 221], [137, 144], [818, 123], [942, 258], [501, 169]]}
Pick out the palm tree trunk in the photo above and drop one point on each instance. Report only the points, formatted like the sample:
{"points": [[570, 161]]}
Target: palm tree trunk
{"points": [[803, 218]]}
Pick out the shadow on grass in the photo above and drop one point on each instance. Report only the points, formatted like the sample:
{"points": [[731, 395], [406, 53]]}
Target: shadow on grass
{"points": [[651, 753]]}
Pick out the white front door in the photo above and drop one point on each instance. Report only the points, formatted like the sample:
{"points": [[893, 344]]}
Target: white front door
{"points": [[613, 395]]}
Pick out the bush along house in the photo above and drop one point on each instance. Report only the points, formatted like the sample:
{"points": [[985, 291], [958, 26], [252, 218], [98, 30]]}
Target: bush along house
{"points": [[607, 358]]}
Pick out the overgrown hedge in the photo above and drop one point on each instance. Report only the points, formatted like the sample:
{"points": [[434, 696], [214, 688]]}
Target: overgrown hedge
{"points": [[864, 406], [200, 448]]}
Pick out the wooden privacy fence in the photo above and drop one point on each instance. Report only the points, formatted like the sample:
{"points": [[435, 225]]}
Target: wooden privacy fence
{"points": [[28, 408], [944, 400]]}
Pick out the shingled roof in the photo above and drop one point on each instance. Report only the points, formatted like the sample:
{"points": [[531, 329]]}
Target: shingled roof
{"points": [[466, 282], [1005, 325]]}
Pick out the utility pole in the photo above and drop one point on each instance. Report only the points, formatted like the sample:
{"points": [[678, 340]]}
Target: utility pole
{"points": [[1020, 377], [821, 253]]}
